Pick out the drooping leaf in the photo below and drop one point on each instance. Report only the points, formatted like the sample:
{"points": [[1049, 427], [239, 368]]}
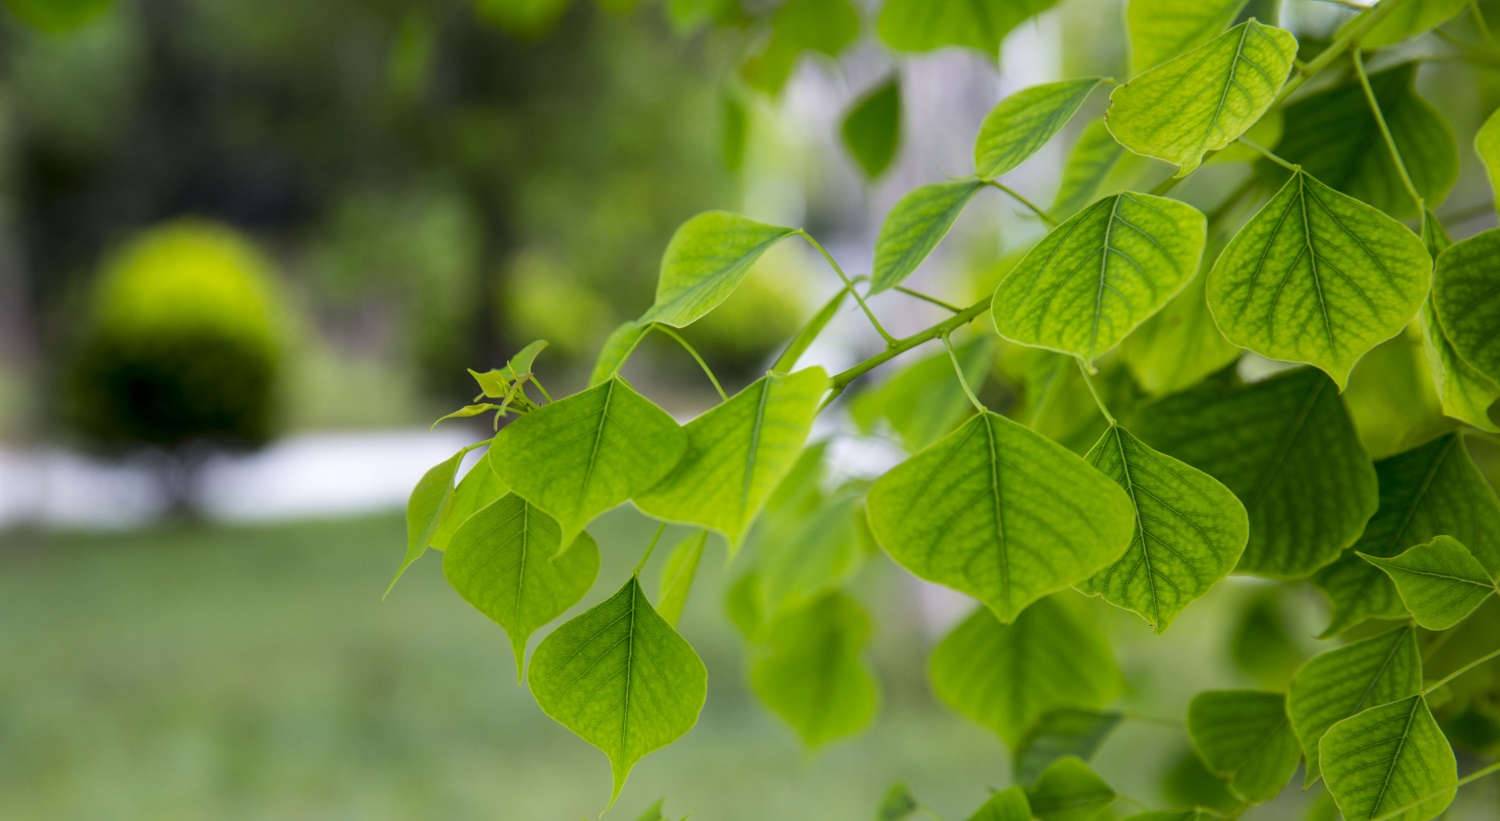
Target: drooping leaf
{"points": [[505, 561], [1023, 122], [1431, 490], [1159, 30], [1335, 685], [1189, 530], [425, 509], [617, 347], [580, 456], [1202, 100], [1389, 757], [812, 674], [1000, 513], [1068, 790], [705, 261], [1439, 581], [1179, 346], [477, 490], [677, 577], [1009, 804], [1006, 676], [915, 226], [1100, 274], [1463, 293], [467, 411], [737, 453], [1060, 733], [1333, 135], [621, 679], [897, 804], [1487, 146], [1406, 21], [810, 555], [925, 25], [1089, 162], [872, 129], [799, 27], [1466, 394], [924, 401], [1245, 737], [1286, 448], [1319, 277]]}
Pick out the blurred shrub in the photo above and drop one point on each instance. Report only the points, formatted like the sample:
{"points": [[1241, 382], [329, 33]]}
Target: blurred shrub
{"points": [[182, 342]]}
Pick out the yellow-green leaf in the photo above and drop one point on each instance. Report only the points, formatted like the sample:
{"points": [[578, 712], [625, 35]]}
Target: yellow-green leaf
{"points": [[812, 675], [1440, 582], [1023, 122], [706, 260], [925, 25], [1180, 345], [1391, 762], [1244, 736], [1159, 30], [915, 226]]}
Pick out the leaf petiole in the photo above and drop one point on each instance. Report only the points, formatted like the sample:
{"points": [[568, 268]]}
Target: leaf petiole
{"points": [[1385, 133], [641, 565], [958, 371], [928, 298], [1083, 368], [849, 284], [1269, 154], [693, 352], [1018, 197], [1445, 680]]}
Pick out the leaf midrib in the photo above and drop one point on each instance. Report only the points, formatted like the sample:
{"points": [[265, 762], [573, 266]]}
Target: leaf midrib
{"points": [[1002, 554], [1390, 770]]}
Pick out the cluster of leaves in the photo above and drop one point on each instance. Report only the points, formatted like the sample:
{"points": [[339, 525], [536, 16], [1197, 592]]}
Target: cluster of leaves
{"points": [[1204, 472]]}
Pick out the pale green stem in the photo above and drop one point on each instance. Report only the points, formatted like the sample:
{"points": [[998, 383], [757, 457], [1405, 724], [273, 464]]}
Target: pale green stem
{"points": [[1269, 154], [848, 283], [1083, 368], [1018, 197], [640, 565], [1445, 680], [693, 352], [1350, 36], [842, 379], [958, 370], [1385, 132], [928, 298]]}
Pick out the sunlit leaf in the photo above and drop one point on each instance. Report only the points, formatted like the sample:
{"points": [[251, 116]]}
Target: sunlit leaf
{"points": [[1431, 490], [1159, 30], [1439, 581], [1387, 758], [617, 347], [1089, 162], [1407, 20], [1006, 676], [504, 560], [924, 25], [1060, 733], [1001, 513], [1487, 146], [1319, 277], [1205, 99], [1337, 684], [580, 456], [1023, 122], [924, 400], [704, 263], [872, 129], [1465, 393], [799, 27], [677, 576], [1244, 736], [1100, 274], [1068, 790], [1286, 448], [620, 678], [737, 453], [1179, 346], [812, 675], [1009, 804], [425, 509], [915, 226], [1463, 293], [1189, 530], [480, 487]]}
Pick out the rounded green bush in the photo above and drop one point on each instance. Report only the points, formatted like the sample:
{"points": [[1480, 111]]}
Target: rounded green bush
{"points": [[182, 343]]}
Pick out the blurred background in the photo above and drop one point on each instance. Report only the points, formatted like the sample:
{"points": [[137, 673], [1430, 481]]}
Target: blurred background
{"points": [[247, 251]]}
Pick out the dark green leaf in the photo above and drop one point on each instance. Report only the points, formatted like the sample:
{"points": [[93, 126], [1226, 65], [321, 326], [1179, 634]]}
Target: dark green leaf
{"points": [[1245, 737], [798, 27], [897, 804], [872, 129], [1068, 791], [1061, 733], [1179, 346], [425, 509], [1463, 293]]}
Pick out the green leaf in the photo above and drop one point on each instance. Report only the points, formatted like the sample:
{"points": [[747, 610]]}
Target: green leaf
{"points": [[812, 675], [1244, 736], [798, 27], [1059, 733], [1069, 791], [687, 16], [897, 804], [1204, 99], [1179, 346], [477, 490], [914, 227], [1487, 146], [1286, 448], [502, 561], [1466, 394], [1006, 676], [677, 577], [810, 555], [1333, 135], [1318, 277], [737, 453], [925, 25], [58, 16], [1335, 685], [1101, 273], [1431, 490], [1023, 122], [1002, 514], [1389, 757], [621, 679], [1159, 30], [425, 509], [1440, 581], [580, 456], [924, 401], [1406, 21], [1189, 530], [492, 383], [1093, 156], [617, 348], [1009, 804], [1463, 294], [872, 129], [706, 260]]}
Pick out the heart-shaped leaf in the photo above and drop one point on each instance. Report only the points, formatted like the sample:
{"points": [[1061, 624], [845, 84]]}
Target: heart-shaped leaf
{"points": [[1389, 758], [1244, 737], [1440, 581], [706, 260]]}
